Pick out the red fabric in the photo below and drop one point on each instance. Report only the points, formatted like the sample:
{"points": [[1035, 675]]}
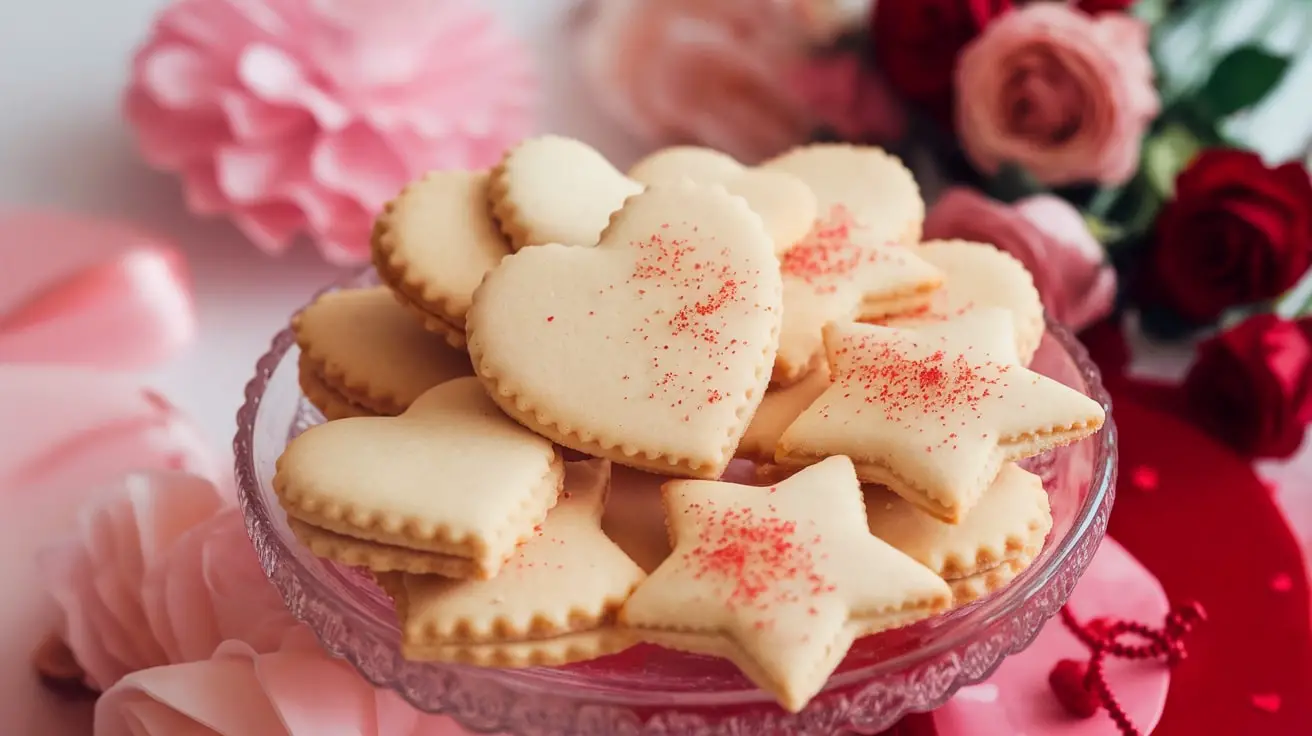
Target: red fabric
{"points": [[1211, 533]]}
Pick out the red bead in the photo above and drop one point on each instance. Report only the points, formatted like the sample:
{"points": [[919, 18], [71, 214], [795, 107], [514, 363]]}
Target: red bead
{"points": [[1068, 681]]}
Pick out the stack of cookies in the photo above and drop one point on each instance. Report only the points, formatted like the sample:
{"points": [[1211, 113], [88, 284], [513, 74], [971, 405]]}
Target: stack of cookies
{"points": [[555, 426]]}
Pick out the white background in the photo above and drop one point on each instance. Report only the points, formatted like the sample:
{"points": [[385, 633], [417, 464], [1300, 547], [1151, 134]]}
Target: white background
{"points": [[63, 65]]}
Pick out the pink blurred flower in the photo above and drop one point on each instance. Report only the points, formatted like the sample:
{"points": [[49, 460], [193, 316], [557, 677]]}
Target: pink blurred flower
{"points": [[305, 117], [847, 95], [1046, 234], [297, 691], [158, 572], [87, 291], [1064, 94], [66, 428], [684, 71]]}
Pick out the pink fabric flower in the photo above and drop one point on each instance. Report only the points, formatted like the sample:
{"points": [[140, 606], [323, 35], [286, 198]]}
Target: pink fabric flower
{"points": [[305, 117], [847, 95], [297, 691], [81, 290], [157, 572], [1064, 94], [686, 71], [1046, 234]]}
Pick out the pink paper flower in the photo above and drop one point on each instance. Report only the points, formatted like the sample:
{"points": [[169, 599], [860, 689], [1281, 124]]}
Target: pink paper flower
{"points": [[297, 691], [81, 290], [1046, 234], [157, 572], [685, 71], [67, 428], [1064, 94], [846, 94], [305, 117]]}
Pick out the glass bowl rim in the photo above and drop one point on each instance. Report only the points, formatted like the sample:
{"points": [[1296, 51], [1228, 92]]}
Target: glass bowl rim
{"points": [[983, 615]]}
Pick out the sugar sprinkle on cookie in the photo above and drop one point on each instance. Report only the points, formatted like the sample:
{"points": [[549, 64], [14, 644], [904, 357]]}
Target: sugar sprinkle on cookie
{"points": [[653, 348], [780, 579], [933, 412]]}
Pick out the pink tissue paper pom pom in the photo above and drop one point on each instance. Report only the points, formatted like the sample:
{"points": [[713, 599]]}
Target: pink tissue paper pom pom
{"points": [[89, 291], [689, 71], [158, 570], [296, 691], [1048, 235], [304, 117]]}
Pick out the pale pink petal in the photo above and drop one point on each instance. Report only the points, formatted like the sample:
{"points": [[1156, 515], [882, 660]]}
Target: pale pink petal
{"points": [[295, 685], [347, 240], [270, 225], [245, 604], [275, 77], [255, 121], [220, 694], [201, 189], [170, 139], [253, 174], [129, 312], [177, 76], [358, 163]]}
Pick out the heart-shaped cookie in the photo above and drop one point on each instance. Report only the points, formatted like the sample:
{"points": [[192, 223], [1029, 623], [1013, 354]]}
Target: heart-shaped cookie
{"points": [[652, 349], [556, 190], [432, 245], [781, 199], [871, 184], [452, 475], [362, 354]]}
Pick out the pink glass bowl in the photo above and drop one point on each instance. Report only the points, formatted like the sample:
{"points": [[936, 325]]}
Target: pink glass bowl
{"points": [[647, 690]]}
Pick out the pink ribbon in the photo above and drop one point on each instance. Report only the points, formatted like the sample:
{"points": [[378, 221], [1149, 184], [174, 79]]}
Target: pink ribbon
{"points": [[82, 291], [80, 297]]}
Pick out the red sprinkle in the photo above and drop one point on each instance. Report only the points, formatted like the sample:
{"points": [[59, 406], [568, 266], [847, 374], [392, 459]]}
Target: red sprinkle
{"points": [[551, 319], [827, 253], [762, 560]]}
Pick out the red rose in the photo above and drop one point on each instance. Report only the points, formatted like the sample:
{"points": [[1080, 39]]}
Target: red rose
{"points": [[1252, 385], [917, 41], [1093, 7], [1237, 232]]}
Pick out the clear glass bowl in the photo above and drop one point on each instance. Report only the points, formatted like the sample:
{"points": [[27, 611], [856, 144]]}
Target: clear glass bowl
{"points": [[648, 690]]}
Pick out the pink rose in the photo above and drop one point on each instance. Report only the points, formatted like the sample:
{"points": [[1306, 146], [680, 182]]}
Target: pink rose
{"points": [[683, 71], [1046, 234], [297, 691], [1064, 94], [158, 571], [846, 94]]}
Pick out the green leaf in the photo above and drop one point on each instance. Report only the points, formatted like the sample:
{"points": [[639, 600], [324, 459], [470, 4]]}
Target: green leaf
{"points": [[1166, 154], [1241, 79], [1012, 183]]}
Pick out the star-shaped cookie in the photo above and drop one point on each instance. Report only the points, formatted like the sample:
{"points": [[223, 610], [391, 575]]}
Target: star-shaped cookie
{"points": [[932, 413], [553, 602], [841, 271], [780, 579]]}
